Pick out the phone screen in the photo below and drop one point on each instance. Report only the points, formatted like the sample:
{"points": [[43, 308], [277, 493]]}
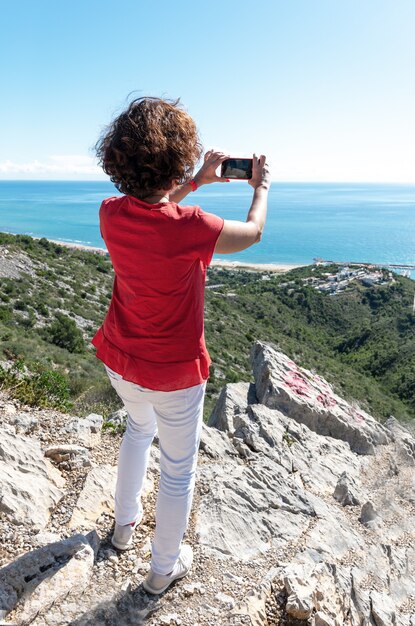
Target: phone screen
{"points": [[237, 168]]}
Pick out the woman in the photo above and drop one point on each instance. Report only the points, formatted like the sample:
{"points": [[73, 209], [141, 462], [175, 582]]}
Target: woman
{"points": [[152, 339]]}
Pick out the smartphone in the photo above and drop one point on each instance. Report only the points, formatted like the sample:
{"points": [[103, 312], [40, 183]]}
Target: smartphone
{"points": [[237, 168]]}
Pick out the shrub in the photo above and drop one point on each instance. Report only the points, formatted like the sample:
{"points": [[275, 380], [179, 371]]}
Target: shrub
{"points": [[63, 332], [5, 314], [27, 322], [20, 305], [9, 287], [43, 388], [41, 308]]}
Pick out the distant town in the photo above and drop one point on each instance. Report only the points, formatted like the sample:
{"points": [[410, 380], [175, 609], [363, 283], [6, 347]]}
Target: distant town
{"points": [[334, 283]]}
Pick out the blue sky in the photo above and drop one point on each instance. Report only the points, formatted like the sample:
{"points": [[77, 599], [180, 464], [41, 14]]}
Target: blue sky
{"points": [[326, 89]]}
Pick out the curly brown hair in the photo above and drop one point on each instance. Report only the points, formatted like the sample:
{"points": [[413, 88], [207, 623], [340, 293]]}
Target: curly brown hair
{"points": [[149, 147]]}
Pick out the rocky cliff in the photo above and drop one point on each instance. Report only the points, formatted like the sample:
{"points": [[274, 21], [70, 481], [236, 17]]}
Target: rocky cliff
{"points": [[304, 513]]}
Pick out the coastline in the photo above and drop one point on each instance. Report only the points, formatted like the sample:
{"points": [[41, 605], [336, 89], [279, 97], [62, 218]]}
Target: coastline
{"points": [[220, 263], [76, 246], [234, 265], [276, 268]]}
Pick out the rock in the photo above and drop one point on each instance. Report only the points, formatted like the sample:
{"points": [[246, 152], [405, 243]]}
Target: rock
{"points": [[406, 439], [338, 594], [346, 492], [212, 610], [118, 418], [309, 399], [126, 586], [8, 408], [275, 508], [169, 618], [140, 566], [316, 592], [283, 478], [298, 607], [382, 607], [273, 487], [45, 537], [232, 403], [215, 443], [225, 599], [95, 422], [87, 430], [30, 486], [254, 604], [369, 517], [324, 545], [189, 589], [44, 576], [72, 455], [299, 592], [146, 547], [320, 619], [269, 491], [24, 422], [96, 497]]}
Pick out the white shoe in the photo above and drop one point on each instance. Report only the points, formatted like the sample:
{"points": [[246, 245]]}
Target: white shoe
{"points": [[123, 535], [157, 583]]}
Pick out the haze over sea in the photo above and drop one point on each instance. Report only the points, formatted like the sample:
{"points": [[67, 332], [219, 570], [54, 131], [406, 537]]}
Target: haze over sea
{"points": [[339, 222]]}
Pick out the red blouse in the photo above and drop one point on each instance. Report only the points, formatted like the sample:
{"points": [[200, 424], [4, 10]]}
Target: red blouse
{"points": [[153, 332]]}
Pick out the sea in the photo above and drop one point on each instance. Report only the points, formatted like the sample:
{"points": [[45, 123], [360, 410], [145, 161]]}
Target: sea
{"points": [[371, 223]]}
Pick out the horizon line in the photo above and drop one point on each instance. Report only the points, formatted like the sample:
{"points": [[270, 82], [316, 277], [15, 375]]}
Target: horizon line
{"points": [[291, 182]]}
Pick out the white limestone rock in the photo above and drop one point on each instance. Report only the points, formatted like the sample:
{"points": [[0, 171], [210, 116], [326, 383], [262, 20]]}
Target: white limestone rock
{"points": [[369, 516], [346, 491], [249, 508], [95, 422], [30, 485], [277, 490], [24, 422], [406, 439], [231, 405], [309, 399], [7, 408], [87, 429], [44, 576], [383, 609], [118, 418], [254, 603], [44, 537], [97, 496], [215, 443]]}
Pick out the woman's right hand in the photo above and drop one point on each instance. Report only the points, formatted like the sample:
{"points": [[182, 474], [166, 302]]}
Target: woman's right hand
{"points": [[261, 176], [236, 236]]}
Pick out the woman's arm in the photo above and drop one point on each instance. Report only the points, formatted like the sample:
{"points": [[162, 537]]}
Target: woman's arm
{"points": [[237, 236], [206, 175]]}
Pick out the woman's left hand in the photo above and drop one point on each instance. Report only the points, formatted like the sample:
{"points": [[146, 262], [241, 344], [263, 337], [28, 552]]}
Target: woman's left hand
{"points": [[207, 173]]}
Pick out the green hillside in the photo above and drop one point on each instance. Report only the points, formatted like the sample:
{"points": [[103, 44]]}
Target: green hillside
{"points": [[53, 299]]}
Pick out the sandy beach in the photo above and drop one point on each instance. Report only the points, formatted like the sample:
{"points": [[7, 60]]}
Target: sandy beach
{"points": [[77, 246], [255, 267]]}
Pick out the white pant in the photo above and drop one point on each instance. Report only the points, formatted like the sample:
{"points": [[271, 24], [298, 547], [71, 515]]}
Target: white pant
{"points": [[177, 416]]}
